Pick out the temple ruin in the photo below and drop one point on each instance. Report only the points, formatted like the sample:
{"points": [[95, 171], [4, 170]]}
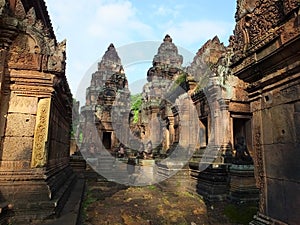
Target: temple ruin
{"points": [[36, 115], [226, 127]]}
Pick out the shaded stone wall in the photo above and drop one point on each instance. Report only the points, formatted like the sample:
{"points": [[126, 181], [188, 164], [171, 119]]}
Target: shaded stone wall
{"points": [[35, 112], [266, 55]]}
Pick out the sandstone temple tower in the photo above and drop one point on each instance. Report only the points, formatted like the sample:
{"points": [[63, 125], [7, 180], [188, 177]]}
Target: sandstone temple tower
{"points": [[36, 111], [107, 94], [167, 67]]}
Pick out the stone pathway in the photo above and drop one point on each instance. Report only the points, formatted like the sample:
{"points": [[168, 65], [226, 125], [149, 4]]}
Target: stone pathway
{"points": [[111, 203]]}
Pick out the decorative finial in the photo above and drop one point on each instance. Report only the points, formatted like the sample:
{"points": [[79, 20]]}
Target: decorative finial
{"points": [[167, 38], [111, 46]]}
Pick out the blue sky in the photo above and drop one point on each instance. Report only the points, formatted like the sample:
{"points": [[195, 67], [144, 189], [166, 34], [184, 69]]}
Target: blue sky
{"points": [[90, 26]]}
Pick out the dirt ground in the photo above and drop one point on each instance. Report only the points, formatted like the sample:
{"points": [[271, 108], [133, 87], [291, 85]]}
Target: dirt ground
{"points": [[111, 203]]}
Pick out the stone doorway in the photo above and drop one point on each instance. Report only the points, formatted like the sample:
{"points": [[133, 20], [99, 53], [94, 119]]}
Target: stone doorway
{"points": [[242, 128], [106, 139]]}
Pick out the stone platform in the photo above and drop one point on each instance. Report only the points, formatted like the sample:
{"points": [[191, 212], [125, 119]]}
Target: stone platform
{"points": [[242, 184]]}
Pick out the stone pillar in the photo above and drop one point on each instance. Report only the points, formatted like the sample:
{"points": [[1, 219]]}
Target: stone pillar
{"points": [[155, 127]]}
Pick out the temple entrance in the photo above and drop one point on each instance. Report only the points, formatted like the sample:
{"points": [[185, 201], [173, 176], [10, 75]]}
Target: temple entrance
{"points": [[106, 139], [242, 128], [203, 135]]}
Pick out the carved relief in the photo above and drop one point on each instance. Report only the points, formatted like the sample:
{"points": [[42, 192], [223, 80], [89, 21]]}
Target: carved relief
{"points": [[56, 61], [40, 144], [23, 54], [19, 10], [20, 104], [291, 28], [244, 7], [2, 6], [264, 18], [259, 165], [289, 5]]}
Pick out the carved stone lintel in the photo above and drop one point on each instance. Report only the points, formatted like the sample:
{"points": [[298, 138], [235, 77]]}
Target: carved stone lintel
{"points": [[40, 145]]}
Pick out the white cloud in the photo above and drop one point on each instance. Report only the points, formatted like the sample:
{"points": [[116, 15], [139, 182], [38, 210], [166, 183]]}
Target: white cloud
{"points": [[193, 32], [165, 11], [118, 22]]}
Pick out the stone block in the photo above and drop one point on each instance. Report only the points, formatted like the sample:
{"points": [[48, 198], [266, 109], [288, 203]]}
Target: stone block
{"points": [[277, 130], [266, 126], [282, 161], [20, 125], [23, 104], [277, 206], [283, 123], [17, 148], [292, 197]]}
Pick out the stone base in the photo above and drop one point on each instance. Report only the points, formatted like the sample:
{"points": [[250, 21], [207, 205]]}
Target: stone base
{"points": [[212, 183], [146, 172], [242, 184], [173, 177], [261, 219], [36, 195], [78, 164]]}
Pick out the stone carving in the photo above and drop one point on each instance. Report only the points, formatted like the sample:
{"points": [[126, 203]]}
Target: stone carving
{"points": [[18, 9], [39, 151], [244, 7], [242, 154], [56, 61], [206, 62], [264, 17], [259, 169], [290, 5], [2, 6], [30, 18]]}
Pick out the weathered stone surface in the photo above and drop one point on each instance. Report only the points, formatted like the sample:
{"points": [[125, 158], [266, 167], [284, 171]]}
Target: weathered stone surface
{"points": [[167, 54], [22, 104], [20, 125], [107, 104], [32, 65], [266, 56], [39, 152], [17, 148], [277, 156]]}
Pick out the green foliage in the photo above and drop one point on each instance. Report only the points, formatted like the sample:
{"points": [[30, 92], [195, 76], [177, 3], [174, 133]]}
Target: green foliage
{"points": [[179, 81], [88, 200], [152, 187], [80, 137], [136, 103], [241, 214]]}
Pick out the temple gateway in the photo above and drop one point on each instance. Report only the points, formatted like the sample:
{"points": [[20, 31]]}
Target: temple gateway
{"points": [[225, 127]]}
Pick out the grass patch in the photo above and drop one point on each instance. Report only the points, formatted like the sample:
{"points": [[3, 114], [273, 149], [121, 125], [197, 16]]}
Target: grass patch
{"points": [[152, 187], [88, 200], [241, 214]]}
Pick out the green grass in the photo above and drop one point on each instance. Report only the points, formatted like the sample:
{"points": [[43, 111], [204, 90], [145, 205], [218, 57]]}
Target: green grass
{"points": [[88, 200], [152, 187], [241, 214]]}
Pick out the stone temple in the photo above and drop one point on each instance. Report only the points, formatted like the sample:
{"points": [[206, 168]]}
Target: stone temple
{"points": [[226, 127]]}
